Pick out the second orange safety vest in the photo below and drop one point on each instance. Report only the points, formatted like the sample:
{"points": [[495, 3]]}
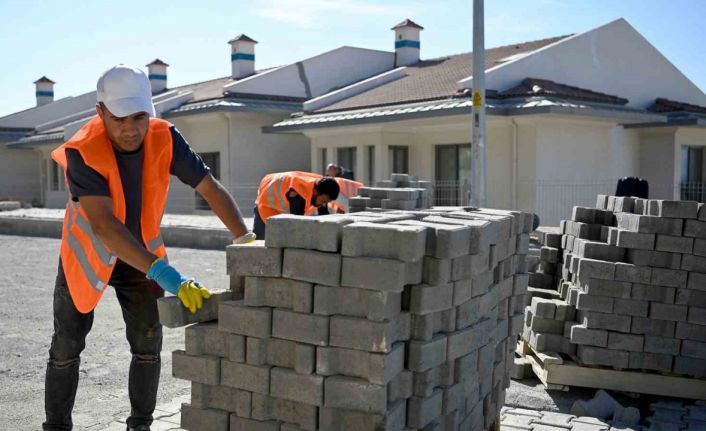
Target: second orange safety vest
{"points": [[87, 262], [272, 193]]}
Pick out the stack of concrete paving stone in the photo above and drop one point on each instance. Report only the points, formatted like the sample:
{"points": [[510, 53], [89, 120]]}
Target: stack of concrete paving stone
{"points": [[547, 272], [401, 192], [516, 419], [368, 321], [675, 415]]}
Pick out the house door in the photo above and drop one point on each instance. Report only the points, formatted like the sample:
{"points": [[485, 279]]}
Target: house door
{"points": [[692, 184], [453, 173]]}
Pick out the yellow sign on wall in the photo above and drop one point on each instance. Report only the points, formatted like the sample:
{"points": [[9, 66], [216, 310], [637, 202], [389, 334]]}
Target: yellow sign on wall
{"points": [[477, 100]]}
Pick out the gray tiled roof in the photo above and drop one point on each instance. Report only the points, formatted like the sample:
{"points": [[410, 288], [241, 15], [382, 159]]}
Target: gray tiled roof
{"points": [[433, 79]]}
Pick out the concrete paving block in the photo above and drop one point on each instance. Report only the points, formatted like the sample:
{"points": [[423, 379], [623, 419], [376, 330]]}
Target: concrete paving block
{"points": [[632, 273], [400, 387], [694, 229], [583, 214], [689, 331], [674, 244], [236, 347], [601, 406], [300, 327], [421, 411], [542, 307], [375, 367], [694, 298], [245, 424], [252, 378], [345, 420], [444, 241], [436, 271], [548, 326], [650, 361], [633, 240], [699, 248], [406, 243], [373, 305], [425, 299], [463, 291], [693, 349], [289, 385], [469, 265], [201, 369], [690, 366], [321, 233], [598, 356], [581, 334], [601, 201], [279, 292], [697, 316], [237, 286], [312, 266], [664, 345], [591, 268], [205, 339], [631, 307], [600, 251], [221, 398], [669, 277], [482, 231], [275, 351], [628, 342], [265, 407], [466, 340], [555, 419], [235, 317], [362, 334], [423, 355], [608, 288], [649, 292], [588, 302], [194, 418], [607, 321], [173, 314], [696, 281], [648, 326], [690, 262], [385, 275], [254, 259], [673, 209], [673, 312], [355, 394]]}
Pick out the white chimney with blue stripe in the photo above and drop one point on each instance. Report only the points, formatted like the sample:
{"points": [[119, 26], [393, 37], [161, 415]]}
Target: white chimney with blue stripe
{"points": [[157, 73], [242, 56], [406, 42], [44, 90]]}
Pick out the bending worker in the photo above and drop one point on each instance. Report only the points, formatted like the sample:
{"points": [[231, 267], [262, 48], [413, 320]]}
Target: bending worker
{"points": [[117, 169], [293, 192]]}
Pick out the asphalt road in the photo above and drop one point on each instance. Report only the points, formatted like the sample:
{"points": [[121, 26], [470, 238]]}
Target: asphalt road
{"points": [[28, 271]]}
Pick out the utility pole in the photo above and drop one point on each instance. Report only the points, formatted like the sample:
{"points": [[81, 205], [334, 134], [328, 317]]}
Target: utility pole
{"points": [[478, 154]]}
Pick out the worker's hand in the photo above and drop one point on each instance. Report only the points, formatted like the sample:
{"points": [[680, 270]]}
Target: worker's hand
{"points": [[190, 292], [244, 239], [192, 295]]}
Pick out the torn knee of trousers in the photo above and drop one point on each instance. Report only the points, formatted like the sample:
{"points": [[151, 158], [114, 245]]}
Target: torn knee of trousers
{"points": [[60, 365], [147, 358]]}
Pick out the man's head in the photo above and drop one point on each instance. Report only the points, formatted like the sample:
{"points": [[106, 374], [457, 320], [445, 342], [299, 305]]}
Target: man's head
{"points": [[125, 105], [325, 190], [333, 170]]}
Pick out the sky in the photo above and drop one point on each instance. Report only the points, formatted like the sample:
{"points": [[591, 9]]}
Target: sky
{"points": [[72, 42]]}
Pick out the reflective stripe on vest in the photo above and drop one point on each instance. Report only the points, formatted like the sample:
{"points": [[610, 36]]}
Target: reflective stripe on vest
{"points": [[80, 253], [107, 258], [154, 244]]}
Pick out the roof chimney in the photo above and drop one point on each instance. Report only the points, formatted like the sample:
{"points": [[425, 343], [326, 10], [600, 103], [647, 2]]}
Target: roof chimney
{"points": [[157, 73], [242, 56], [44, 90], [406, 42]]}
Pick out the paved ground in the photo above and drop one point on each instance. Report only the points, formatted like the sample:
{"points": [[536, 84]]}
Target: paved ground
{"points": [[28, 270]]}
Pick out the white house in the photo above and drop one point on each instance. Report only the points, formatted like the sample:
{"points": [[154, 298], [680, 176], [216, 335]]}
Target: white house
{"points": [[567, 117]]}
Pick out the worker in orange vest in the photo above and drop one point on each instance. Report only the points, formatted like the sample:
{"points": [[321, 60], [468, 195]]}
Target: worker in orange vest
{"points": [[295, 192], [117, 169]]}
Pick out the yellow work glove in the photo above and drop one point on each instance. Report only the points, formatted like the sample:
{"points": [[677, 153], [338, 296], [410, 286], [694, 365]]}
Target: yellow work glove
{"points": [[244, 239], [192, 294]]}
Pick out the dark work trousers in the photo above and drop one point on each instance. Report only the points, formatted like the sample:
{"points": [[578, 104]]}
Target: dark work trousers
{"points": [[258, 226], [138, 299]]}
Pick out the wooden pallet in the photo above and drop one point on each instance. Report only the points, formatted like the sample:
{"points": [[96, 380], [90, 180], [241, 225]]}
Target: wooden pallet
{"points": [[561, 373]]}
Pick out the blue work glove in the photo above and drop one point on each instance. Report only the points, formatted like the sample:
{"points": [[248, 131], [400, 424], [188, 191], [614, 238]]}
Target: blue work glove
{"points": [[190, 292]]}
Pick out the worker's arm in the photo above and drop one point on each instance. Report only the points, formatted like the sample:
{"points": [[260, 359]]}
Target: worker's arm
{"points": [[222, 204], [116, 237]]}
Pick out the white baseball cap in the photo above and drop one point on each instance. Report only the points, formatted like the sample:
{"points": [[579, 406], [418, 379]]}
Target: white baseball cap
{"points": [[125, 90]]}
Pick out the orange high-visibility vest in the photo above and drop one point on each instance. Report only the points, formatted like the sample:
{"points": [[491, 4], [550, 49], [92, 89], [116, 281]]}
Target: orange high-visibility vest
{"points": [[349, 189], [87, 262], [272, 193]]}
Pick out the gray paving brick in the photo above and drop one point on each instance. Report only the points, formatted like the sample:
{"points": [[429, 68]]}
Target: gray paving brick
{"points": [[421, 411], [312, 266], [254, 259], [423, 355], [646, 326], [315, 233], [696, 281], [674, 244], [201, 369], [279, 292], [406, 243], [628, 342], [373, 305], [375, 367], [673, 209], [371, 273], [436, 271], [631, 307], [344, 420], [444, 241], [656, 259], [252, 378], [690, 262], [697, 316], [591, 268], [664, 345], [695, 367], [193, 418], [590, 302], [632, 273], [676, 313], [693, 349], [246, 424], [206, 339], [300, 327], [234, 317], [650, 361], [649, 292], [599, 356], [362, 334], [607, 321], [694, 229], [289, 385], [425, 299], [173, 314], [221, 398], [355, 394], [265, 408], [689, 331], [610, 288], [669, 277], [580, 334]]}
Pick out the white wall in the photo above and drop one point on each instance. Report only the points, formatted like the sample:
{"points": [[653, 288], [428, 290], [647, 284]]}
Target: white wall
{"points": [[19, 178], [614, 59], [657, 161]]}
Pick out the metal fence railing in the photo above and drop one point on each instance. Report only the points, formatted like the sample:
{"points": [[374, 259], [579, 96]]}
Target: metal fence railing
{"points": [[451, 193], [694, 191]]}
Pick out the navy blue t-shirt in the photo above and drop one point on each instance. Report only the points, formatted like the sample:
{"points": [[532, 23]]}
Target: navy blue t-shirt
{"points": [[85, 181]]}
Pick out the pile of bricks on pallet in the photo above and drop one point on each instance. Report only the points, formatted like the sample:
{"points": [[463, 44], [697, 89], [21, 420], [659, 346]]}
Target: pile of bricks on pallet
{"points": [[674, 415], [401, 192], [370, 321], [636, 272], [546, 273]]}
